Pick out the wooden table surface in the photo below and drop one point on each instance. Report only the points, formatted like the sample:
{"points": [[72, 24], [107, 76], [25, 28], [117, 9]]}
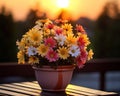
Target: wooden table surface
{"points": [[32, 89]]}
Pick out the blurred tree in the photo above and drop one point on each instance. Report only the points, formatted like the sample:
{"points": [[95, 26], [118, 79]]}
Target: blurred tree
{"points": [[23, 26], [64, 15], [33, 15], [7, 36], [107, 34]]}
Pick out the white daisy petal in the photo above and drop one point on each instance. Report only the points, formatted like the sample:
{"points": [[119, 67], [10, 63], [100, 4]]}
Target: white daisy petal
{"points": [[60, 39], [74, 51], [32, 51]]}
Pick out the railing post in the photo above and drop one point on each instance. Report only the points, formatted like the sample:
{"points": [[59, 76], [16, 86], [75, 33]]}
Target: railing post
{"points": [[102, 80]]}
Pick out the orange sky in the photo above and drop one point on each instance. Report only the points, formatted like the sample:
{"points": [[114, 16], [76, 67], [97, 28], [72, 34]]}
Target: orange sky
{"points": [[77, 8]]}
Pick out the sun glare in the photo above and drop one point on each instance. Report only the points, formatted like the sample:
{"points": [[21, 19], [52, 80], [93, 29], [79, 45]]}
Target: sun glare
{"points": [[62, 3]]}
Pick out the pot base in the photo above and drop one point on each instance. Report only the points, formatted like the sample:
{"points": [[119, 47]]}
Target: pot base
{"points": [[53, 90], [53, 93]]}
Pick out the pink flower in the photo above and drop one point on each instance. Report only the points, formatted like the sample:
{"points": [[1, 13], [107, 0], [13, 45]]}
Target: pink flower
{"points": [[81, 59], [60, 21], [50, 42], [83, 40], [52, 56], [58, 30], [50, 26], [79, 28]]}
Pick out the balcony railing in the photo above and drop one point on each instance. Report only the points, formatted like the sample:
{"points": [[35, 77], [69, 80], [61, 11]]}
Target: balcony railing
{"points": [[102, 66]]}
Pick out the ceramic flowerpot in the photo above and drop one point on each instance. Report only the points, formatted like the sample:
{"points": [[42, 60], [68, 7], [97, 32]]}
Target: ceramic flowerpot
{"points": [[51, 79]]}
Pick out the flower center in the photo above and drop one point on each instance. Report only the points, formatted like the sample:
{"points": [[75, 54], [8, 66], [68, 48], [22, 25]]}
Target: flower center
{"points": [[35, 38], [63, 52], [51, 55], [73, 51]]}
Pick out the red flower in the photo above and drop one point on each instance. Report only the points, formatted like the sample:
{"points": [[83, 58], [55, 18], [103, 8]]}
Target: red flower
{"points": [[60, 21], [50, 42], [50, 26], [58, 30], [81, 42], [79, 28], [52, 56], [81, 59]]}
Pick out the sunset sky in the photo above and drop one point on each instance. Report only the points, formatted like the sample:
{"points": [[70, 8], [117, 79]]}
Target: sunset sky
{"points": [[77, 8]]}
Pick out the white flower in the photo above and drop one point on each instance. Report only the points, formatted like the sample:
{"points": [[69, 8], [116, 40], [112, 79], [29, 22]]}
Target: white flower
{"points": [[74, 50], [39, 23], [60, 39], [32, 51], [37, 27]]}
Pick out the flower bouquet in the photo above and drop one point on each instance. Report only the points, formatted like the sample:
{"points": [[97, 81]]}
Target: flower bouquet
{"points": [[54, 48], [54, 43]]}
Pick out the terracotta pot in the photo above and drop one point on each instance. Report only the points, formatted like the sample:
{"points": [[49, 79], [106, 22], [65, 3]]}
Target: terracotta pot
{"points": [[51, 79]]}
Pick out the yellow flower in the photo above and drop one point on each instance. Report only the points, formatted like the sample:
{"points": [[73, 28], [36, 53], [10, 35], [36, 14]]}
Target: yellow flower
{"points": [[35, 36], [21, 45], [67, 28], [63, 52], [33, 60], [42, 50], [26, 40], [71, 39], [42, 22], [84, 39], [21, 58], [90, 54], [46, 32]]}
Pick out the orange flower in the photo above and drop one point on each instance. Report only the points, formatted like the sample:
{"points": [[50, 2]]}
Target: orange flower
{"points": [[90, 54]]}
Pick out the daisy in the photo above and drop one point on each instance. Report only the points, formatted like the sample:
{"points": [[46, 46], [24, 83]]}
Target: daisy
{"points": [[63, 52], [71, 39], [58, 30], [81, 59], [83, 40], [50, 42], [21, 57], [79, 28], [32, 51], [50, 26], [67, 28], [42, 22], [60, 39], [74, 51], [42, 50], [46, 32], [90, 54], [35, 36], [52, 56], [33, 60], [60, 21], [38, 27], [21, 45]]}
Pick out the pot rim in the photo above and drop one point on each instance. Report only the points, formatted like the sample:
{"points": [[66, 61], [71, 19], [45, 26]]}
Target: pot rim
{"points": [[59, 68]]}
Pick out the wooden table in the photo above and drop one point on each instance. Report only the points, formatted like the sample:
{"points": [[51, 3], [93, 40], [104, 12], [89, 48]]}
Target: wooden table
{"points": [[32, 89]]}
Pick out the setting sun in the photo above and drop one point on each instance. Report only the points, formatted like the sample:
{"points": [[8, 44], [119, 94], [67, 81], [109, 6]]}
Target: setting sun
{"points": [[52, 8], [62, 4]]}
